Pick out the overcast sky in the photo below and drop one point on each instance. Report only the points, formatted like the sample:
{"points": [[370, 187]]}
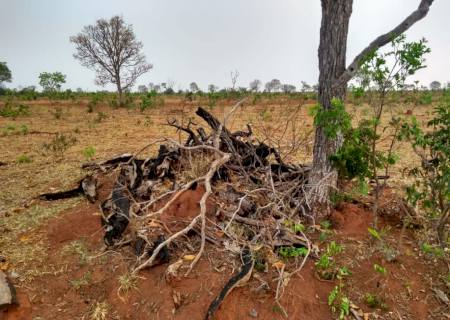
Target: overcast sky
{"points": [[203, 40]]}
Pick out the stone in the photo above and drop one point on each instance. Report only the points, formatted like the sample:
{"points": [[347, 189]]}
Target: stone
{"points": [[6, 294], [253, 313]]}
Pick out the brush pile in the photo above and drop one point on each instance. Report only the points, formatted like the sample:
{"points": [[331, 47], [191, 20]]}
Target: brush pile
{"points": [[247, 197]]}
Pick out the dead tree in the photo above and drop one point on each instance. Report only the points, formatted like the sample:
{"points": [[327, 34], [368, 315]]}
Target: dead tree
{"points": [[333, 79]]}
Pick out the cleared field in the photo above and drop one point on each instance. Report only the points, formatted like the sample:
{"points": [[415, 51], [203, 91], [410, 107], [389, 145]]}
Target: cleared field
{"points": [[55, 249]]}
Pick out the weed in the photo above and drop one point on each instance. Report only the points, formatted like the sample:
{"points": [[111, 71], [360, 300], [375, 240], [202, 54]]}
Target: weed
{"points": [[89, 152], [99, 311], [127, 282], [57, 113], [83, 281], [380, 269], [293, 252], [100, 117], [339, 302], [295, 227], [375, 234], [23, 159], [59, 144], [92, 104], [326, 266], [79, 248], [11, 129], [431, 250], [12, 110], [265, 115]]}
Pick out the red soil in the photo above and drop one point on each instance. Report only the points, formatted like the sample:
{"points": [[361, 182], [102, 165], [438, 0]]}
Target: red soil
{"points": [[52, 296]]}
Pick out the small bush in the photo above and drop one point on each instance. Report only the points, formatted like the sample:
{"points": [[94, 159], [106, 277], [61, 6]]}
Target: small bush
{"points": [[12, 110], [59, 144], [293, 252], [11, 129], [100, 117], [23, 159], [57, 113], [89, 152]]}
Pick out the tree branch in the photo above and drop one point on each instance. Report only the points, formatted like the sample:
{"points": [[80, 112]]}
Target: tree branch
{"points": [[382, 40]]}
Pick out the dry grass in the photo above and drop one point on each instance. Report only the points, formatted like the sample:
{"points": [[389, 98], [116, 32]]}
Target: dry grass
{"points": [[285, 123], [20, 242]]}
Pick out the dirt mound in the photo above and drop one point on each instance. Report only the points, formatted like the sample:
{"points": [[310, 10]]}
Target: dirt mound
{"points": [[351, 220]]}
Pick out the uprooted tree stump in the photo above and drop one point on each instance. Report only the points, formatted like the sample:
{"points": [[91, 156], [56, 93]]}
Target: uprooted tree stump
{"points": [[245, 186]]}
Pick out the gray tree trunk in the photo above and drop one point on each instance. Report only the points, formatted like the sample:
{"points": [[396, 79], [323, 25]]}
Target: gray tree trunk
{"points": [[332, 64], [333, 79]]}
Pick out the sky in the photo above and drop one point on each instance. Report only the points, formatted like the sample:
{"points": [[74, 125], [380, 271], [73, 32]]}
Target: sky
{"points": [[204, 40]]}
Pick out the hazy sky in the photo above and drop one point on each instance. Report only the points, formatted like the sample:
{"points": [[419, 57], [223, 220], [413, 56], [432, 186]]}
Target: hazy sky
{"points": [[203, 40]]}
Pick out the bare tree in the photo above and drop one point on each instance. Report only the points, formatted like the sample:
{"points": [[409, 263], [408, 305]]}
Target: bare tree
{"points": [[234, 76], [333, 78], [111, 49], [255, 85]]}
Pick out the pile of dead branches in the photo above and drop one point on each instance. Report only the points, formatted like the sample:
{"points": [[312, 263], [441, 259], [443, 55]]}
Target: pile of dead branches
{"points": [[250, 196]]}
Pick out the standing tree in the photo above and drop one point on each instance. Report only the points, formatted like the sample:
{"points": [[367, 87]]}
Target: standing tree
{"points": [[333, 78], [287, 88], [193, 87], [5, 73], [212, 88], [435, 85], [111, 49], [273, 85], [51, 82], [142, 88], [255, 85], [234, 77], [305, 86]]}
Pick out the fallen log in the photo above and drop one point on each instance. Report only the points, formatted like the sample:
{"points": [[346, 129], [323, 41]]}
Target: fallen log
{"points": [[86, 186]]}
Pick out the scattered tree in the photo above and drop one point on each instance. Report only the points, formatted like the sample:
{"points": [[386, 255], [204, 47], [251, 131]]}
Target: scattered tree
{"points": [[5, 73], [305, 87], [333, 78], [212, 88], [255, 85], [234, 76], [435, 85], [51, 82], [288, 88], [111, 49], [142, 88], [193, 87], [273, 85]]}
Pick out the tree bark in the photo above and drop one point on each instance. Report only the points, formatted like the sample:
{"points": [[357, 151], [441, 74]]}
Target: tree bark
{"points": [[332, 64], [119, 91], [333, 79]]}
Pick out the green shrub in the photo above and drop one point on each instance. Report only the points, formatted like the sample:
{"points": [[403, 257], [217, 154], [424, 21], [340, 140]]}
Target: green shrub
{"points": [[23, 159], [431, 188], [89, 152], [292, 252], [59, 144], [12, 110]]}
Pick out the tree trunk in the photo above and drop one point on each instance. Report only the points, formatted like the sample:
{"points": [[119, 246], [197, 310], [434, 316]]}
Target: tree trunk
{"points": [[119, 91], [332, 64]]}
